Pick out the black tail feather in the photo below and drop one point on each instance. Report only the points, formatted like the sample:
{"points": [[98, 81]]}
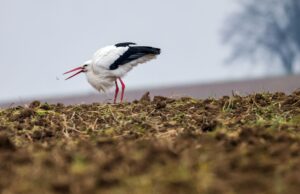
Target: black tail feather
{"points": [[146, 50]]}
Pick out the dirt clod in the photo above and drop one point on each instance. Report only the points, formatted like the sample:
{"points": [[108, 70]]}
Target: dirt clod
{"points": [[35, 104], [161, 104], [146, 97], [23, 114], [6, 143]]}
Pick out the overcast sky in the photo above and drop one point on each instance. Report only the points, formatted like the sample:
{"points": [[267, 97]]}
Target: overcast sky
{"points": [[41, 39]]}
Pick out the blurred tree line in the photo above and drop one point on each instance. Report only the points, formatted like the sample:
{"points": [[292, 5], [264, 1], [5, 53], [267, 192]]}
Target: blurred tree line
{"points": [[265, 29]]}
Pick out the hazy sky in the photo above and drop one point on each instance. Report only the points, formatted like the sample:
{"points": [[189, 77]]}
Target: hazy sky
{"points": [[41, 39]]}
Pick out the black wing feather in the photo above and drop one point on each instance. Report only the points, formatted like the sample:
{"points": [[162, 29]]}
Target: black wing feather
{"points": [[134, 53], [124, 44]]}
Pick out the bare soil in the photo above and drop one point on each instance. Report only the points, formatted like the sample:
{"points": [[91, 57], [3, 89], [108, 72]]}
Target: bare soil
{"points": [[229, 145]]}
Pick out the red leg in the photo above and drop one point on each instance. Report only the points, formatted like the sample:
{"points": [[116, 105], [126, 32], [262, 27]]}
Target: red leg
{"points": [[123, 89], [116, 91]]}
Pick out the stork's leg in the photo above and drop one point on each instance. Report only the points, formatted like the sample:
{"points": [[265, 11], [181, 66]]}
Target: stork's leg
{"points": [[116, 91], [123, 89]]}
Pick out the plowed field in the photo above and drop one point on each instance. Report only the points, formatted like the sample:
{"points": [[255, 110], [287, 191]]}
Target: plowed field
{"points": [[231, 145]]}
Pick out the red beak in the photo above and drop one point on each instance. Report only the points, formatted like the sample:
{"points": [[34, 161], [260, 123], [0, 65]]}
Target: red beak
{"points": [[78, 68]]}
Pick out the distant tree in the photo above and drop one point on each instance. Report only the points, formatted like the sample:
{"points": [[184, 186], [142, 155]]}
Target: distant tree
{"points": [[265, 29]]}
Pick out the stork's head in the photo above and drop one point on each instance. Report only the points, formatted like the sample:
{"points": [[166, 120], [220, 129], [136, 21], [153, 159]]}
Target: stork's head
{"points": [[82, 69]]}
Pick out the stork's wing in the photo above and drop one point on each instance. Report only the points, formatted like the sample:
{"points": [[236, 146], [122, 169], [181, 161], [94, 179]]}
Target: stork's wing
{"points": [[106, 56], [111, 57], [133, 53]]}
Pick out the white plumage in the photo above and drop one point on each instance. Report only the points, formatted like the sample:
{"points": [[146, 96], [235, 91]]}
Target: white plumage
{"points": [[111, 63]]}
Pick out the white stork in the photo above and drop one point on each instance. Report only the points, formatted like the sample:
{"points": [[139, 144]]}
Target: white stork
{"points": [[111, 63]]}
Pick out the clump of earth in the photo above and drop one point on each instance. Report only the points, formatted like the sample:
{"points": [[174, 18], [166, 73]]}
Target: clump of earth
{"points": [[235, 144]]}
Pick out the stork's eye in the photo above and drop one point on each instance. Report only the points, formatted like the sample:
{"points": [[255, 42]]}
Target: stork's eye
{"points": [[85, 65]]}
